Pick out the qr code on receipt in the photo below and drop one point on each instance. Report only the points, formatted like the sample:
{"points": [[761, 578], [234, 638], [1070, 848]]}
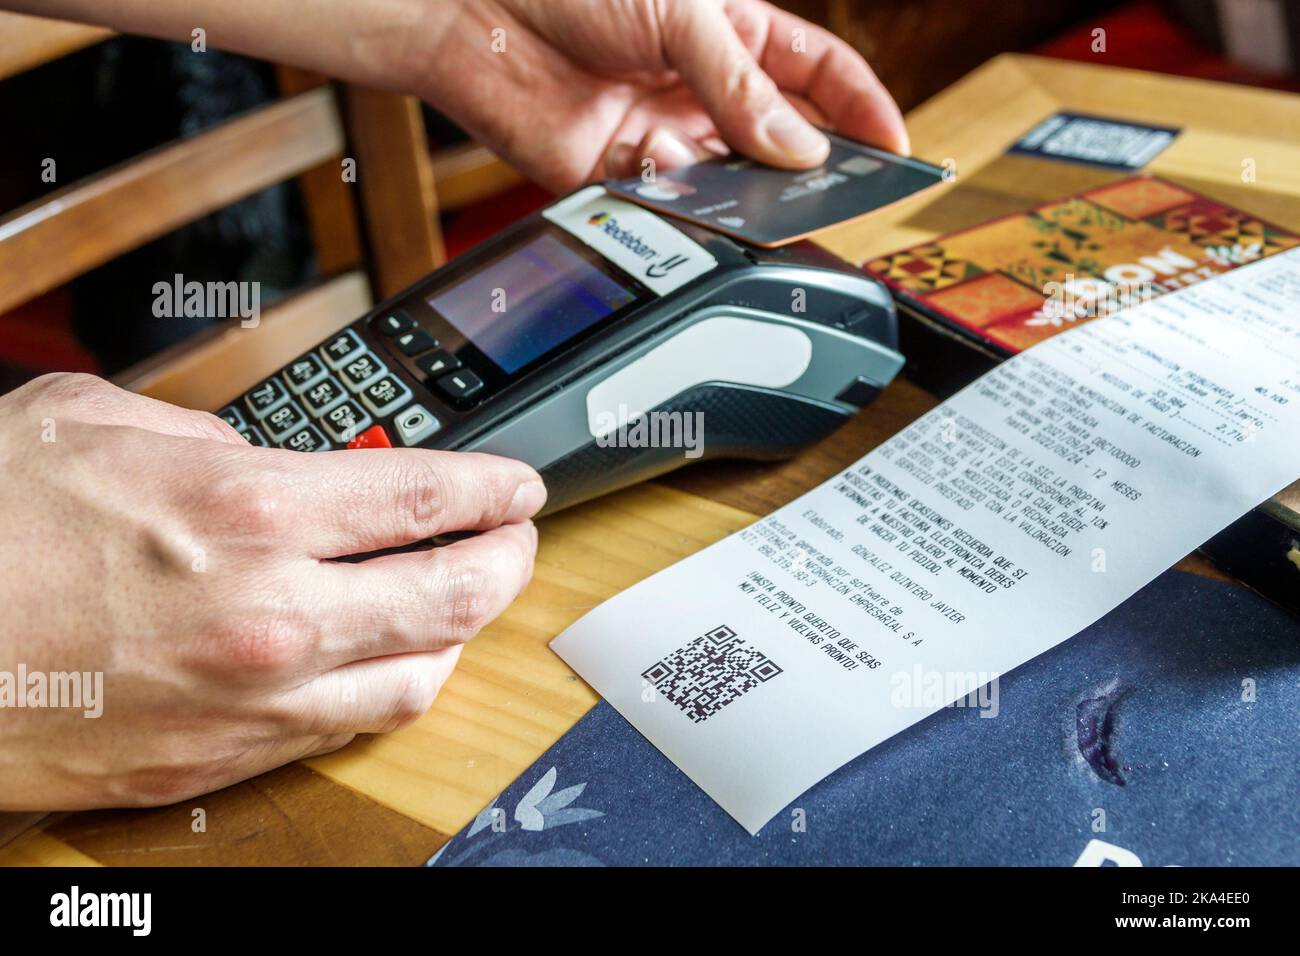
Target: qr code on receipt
{"points": [[710, 672]]}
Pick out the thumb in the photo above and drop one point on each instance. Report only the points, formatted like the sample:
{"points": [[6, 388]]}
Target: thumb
{"points": [[701, 44]]}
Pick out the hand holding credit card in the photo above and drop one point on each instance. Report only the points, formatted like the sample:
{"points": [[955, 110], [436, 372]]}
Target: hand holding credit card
{"points": [[771, 207]]}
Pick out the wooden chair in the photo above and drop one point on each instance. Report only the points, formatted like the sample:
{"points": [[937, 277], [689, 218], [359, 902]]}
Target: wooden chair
{"points": [[371, 237]]}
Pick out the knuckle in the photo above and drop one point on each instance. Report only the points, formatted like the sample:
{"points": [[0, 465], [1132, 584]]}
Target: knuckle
{"points": [[414, 695], [245, 506], [422, 500], [161, 785], [262, 515], [464, 601], [748, 88], [258, 644], [72, 388]]}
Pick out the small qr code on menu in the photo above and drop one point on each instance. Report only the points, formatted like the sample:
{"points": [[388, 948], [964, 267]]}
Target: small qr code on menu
{"points": [[710, 672]]}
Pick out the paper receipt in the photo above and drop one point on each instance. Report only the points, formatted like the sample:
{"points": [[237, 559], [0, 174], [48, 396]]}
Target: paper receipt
{"points": [[999, 524]]}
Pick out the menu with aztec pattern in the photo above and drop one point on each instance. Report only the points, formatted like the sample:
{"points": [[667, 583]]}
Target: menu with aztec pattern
{"points": [[1020, 279]]}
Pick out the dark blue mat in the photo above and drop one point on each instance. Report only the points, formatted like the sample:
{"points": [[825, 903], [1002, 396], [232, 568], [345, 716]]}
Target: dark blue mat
{"points": [[1169, 730]]}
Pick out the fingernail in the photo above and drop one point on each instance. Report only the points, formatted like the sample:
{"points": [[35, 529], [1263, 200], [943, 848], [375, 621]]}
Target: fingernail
{"points": [[669, 150], [904, 143], [618, 159], [528, 500], [792, 134]]}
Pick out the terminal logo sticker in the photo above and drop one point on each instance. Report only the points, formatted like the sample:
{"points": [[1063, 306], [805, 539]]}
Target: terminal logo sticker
{"points": [[639, 248], [634, 239]]}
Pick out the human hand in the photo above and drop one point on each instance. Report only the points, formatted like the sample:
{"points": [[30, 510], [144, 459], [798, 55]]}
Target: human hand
{"points": [[571, 90], [566, 90], [153, 545]]}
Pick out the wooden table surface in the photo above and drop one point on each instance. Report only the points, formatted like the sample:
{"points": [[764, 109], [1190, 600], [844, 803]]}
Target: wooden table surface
{"points": [[395, 799]]}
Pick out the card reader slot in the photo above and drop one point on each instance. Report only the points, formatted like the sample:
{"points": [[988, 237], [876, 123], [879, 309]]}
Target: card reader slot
{"points": [[735, 421]]}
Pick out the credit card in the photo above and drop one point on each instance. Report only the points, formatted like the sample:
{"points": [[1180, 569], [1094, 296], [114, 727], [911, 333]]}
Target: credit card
{"points": [[770, 207]]}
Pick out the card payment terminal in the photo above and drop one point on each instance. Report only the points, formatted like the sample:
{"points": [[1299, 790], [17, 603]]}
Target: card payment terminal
{"points": [[561, 339]]}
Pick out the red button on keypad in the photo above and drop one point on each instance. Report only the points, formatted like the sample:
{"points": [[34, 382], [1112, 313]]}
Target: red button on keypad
{"points": [[372, 437]]}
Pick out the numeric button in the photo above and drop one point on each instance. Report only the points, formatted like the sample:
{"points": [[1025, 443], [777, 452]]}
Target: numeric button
{"points": [[361, 371], [346, 421], [285, 420], [307, 438], [267, 397], [323, 396], [304, 373], [385, 394], [339, 350]]}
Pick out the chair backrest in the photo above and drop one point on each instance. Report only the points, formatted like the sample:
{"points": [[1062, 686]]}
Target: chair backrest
{"points": [[372, 234]]}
